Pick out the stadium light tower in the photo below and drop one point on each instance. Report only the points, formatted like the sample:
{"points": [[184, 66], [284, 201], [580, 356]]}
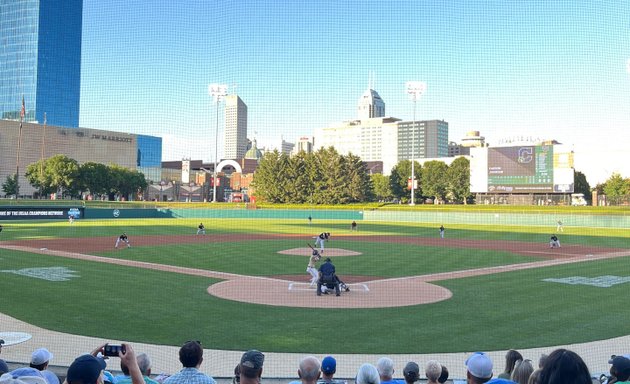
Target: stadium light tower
{"points": [[218, 93], [415, 89]]}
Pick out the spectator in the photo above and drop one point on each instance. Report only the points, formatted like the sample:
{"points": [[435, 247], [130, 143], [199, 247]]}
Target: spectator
{"points": [[433, 371], [88, 369], [237, 374], [411, 372], [478, 368], [511, 357], [251, 367], [144, 364], [8, 379], [522, 371], [385, 367], [444, 376], [329, 368], [39, 360], [564, 367], [308, 371], [4, 368], [368, 374], [620, 369], [542, 359], [24, 376], [191, 356], [534, 378]]}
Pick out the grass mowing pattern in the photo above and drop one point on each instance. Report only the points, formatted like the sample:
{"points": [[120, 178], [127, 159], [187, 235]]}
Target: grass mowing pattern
{"points": [[486, 312]]}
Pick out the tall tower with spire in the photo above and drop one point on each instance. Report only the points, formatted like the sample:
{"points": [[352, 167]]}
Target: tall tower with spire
{"points": [[370, 104]]}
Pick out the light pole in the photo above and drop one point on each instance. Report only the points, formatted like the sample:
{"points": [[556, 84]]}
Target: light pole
{"points": [[415, 89], [218, 92]]}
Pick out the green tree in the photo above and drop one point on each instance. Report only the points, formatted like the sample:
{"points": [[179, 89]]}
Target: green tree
{"points": [[581, 185], [93, 178], [125, 182], [398, 180], [11, 186], [616, 186], [434, 179], [55, 174], [359, 185], [458, 180], [382, 189], [267, 178]]}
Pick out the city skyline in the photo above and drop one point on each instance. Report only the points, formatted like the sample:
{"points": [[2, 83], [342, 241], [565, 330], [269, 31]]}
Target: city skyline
{"points": [[554, 70]]}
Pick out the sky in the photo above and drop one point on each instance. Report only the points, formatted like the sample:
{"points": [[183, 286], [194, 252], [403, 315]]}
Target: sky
{"points": [[542, 69]]}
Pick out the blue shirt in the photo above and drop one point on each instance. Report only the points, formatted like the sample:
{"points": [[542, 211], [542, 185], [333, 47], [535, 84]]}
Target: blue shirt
{"points": [[190, 376], [327, 269]]}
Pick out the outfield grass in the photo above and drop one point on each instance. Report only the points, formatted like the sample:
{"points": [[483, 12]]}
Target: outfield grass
{"points": [[502, 311]]}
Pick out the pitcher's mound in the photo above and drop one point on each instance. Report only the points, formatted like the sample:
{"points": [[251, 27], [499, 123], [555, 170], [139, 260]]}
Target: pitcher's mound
{"points": [[328, 252]]}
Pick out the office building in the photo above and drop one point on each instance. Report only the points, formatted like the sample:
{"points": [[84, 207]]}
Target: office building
{"points": [[235, 128], [375, 138], [40, 60], [136, 152], [304, 144]]}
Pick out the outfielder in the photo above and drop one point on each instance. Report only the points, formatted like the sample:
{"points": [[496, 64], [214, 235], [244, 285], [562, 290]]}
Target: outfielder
{"points": [[315, 257], [319, 240], [201, 229], [123, 238]]}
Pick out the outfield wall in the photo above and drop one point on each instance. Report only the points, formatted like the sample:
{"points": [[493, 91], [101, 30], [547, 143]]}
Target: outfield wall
{"points": [[436, 217], [500, 219], [98, 213]]}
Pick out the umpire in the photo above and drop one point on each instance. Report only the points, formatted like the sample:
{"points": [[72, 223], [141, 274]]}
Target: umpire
{"points": [[327, 278]]}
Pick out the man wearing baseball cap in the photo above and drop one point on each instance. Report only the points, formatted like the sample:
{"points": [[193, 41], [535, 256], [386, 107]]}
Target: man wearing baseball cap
{"points": [[251, 367], [478, 368], [88, 369], [39, 360], [329, 368], [620, 369]]}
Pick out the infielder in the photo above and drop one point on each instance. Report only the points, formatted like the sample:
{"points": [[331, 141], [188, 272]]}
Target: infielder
{"points": [[319, 240], [315, 257], [123, 238], [554, 242], [441, 231], [201, 229]]}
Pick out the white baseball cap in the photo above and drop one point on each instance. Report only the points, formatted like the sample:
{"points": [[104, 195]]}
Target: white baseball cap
{"points": [[40, 356]]}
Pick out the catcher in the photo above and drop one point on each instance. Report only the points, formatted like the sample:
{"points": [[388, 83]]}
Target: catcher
{"points": [[315, 257]]}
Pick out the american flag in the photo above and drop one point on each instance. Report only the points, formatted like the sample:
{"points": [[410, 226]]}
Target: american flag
{"points": [[23, 110]]}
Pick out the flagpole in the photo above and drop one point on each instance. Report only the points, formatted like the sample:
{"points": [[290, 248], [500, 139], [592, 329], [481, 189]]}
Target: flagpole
{"points": [[17, 162], [41, 165]]}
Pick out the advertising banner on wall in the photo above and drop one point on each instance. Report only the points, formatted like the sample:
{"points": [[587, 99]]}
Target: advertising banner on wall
{"points": [[39, 213]]}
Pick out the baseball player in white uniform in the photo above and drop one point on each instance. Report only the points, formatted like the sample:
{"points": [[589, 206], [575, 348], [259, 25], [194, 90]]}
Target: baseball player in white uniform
{"points": [[311, 269]]}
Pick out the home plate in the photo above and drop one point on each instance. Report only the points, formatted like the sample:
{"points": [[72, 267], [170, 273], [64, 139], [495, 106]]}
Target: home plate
{"points": [[354, 287]]}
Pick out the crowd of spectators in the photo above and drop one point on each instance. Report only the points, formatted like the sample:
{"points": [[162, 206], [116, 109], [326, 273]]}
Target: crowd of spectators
{"points": [[561, 366]]}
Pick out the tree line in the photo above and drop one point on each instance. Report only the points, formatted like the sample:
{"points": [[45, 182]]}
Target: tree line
{"points": [[327, 177], [64, 176]]}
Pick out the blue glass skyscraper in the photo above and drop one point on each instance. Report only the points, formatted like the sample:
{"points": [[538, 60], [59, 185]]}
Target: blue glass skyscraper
{"points": [[40, 60]]}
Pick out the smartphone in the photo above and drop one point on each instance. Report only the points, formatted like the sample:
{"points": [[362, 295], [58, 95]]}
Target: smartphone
{"points": [[113, 350]]}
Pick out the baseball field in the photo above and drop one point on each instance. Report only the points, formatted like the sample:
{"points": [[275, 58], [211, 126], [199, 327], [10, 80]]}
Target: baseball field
{"points": [[244, 284]]}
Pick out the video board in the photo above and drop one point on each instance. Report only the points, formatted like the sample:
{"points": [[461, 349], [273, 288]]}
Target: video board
{"points": [[522, 169]]}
